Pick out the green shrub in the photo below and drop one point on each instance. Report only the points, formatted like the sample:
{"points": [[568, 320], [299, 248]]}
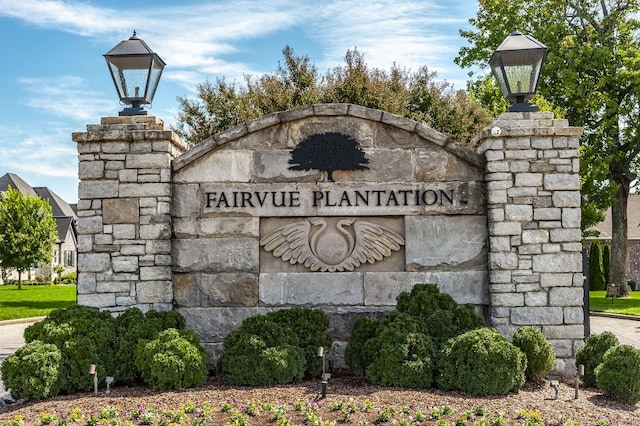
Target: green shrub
{"points": [[424, 300], [261, 352], [481, 362], [597, 281], [619, 374], [401, 354], [70, 278], [633, 284], [174, 359], [592, 353], [443, 325], [132, 327], [541, 356], [33, 371], [310, 325], [355, 355], [606, 263], [84, 336]]}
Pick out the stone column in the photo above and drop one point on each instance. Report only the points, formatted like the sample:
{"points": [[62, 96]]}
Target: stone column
{"points": [[535, 250], [124, 213]]}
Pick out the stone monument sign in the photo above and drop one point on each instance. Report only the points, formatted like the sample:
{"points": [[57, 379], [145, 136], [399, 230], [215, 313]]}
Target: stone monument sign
{"points": [[336, 207]]}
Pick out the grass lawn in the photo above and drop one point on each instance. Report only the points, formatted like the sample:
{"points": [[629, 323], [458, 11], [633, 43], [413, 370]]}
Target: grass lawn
{"points": [[619, 305], [34, 301]]}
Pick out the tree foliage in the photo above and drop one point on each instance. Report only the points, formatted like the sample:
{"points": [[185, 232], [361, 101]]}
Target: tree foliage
{"points": [[592, 72], [297, 83], [27, 231]]}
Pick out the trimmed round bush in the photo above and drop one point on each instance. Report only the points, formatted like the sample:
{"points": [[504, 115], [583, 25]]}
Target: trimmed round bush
{"points": [[310, 325], [592, 353], [33, 371], [174, 359], [404, 355], [619, 374], [262, 352], [482, 362], [424, 300], [132, 327], [541, 356], [355, 355], [84, 336]]}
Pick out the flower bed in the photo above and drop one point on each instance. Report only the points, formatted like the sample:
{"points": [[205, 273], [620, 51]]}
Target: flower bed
{"points": [[349, 400]]}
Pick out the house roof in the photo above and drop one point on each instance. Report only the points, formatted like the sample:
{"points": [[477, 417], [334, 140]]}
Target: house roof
{"points": [[15, 182], [63, 213], [59, 207], [633, 221]]}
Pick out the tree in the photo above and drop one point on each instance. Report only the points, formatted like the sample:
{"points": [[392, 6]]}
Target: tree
{"points": [[328, 152], [596, 270], [27, 231], [606, 262], [592, 72], [297, 82]]}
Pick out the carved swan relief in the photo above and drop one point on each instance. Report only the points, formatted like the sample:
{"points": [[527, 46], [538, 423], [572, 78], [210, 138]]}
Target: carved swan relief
{"points": [[330, 246]]}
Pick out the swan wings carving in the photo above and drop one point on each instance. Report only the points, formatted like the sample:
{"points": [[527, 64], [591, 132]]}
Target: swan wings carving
{"points": [[331, 248]]}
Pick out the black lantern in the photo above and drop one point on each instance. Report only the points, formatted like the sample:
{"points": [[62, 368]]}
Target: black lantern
{"points": [[516, 65], [136, 71]]}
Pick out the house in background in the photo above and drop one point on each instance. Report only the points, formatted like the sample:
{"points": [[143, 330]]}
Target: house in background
{"points": [[633, 237], [65, 249]]}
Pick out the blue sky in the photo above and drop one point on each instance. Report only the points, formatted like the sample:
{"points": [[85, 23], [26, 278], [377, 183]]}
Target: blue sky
{"points": [[54, 80]]}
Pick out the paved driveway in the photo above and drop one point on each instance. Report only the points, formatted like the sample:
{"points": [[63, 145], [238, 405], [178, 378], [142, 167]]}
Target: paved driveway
{"points": [[627, 331]]}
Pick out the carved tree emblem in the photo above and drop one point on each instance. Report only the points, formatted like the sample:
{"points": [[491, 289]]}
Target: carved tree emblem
{"points": [[328, 152], [332, 247]]}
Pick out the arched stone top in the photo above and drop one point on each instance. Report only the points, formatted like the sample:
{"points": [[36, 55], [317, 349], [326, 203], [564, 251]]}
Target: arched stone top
{"points": [[267, 133]]}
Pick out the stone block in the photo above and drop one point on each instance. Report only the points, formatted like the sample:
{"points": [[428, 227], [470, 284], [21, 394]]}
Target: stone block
{"points": [[561, 182], [224, 165], [86, 283], [90, 169], [566, 296], [528, 179], [566, 199], [574, 315], [505, 228], [542, 315], [129, 190], [229, 227], [185, 201], [94, 262], [382, 288], [152, 273], [88, 189], [536, 298], [535, 236], [216, 255], [518, 212], [557, 262], [155, 232], [446, 240], [95, 300], [281, 289], [563, 347], [342, 319], [575, 331], [148, 161], [547, 214], [124, 232], [90, 225], [214, 324], [154, 291], [273, 166], [125, 264], [571, 218], [120, 210], [565, 235], [507, 299], [113, 287], [503, 260], [210, 290]]}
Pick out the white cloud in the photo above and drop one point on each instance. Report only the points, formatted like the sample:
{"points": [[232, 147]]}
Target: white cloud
{"points": [[65, 96]]}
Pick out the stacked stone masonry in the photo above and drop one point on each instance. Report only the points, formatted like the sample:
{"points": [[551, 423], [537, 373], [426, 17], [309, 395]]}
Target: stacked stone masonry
{"points": [[533, 206], [124, 211], [498, 228]]}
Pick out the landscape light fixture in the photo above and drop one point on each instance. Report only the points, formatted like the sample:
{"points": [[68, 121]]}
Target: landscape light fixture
{"points": [[136, 71], [516, 64]]}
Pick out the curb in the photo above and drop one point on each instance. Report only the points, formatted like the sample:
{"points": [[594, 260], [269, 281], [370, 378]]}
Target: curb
{"points": [[617, 316], [21, 321]]}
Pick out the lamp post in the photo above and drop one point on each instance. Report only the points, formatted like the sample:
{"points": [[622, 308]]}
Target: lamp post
{"points": [[516, 64], [136, 71]]}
